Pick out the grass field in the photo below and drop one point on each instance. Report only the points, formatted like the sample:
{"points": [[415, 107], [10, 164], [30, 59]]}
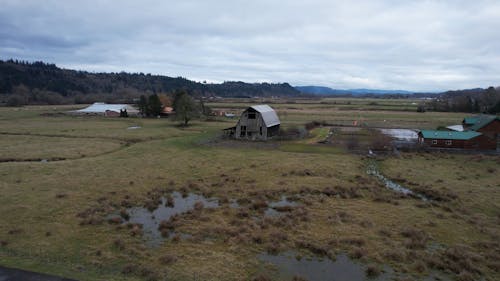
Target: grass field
{"points": [[55, 214]]}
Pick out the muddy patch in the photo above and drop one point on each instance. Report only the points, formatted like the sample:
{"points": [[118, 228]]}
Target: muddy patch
{"points": [[316, 269]]}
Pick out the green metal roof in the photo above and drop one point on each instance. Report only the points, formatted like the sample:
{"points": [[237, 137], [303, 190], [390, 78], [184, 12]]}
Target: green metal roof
{"points": [[449, 135], [471, 120], [482, 121]]}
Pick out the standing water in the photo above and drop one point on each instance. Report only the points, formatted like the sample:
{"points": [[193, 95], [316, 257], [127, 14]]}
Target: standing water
{"points": [[151, 220], [317, 269], [372, 169]]}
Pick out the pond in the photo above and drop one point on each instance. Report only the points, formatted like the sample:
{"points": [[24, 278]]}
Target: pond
{"points": [[401, 134]]}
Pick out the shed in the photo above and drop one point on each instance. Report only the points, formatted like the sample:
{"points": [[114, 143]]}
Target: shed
{"points": [[258, 122]]}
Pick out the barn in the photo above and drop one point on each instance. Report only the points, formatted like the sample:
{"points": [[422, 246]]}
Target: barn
{"points": [[104, 109], [258, 122]]}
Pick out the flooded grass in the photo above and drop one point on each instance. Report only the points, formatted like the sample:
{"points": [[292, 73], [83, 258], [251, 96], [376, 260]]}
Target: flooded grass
{"points": [[290, 265], [174, 204], [372, 169], [276, 208]]}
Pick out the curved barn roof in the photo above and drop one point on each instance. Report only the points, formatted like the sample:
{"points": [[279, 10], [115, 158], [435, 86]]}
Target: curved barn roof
{"points": [[100, 107], [268, 114]]}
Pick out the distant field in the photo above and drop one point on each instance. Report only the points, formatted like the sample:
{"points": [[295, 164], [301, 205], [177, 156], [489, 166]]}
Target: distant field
{"points": [[384, 113], [62, 217]]}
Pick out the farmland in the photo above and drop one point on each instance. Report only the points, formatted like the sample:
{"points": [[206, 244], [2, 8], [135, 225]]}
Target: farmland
{"points": [[68, 184]]}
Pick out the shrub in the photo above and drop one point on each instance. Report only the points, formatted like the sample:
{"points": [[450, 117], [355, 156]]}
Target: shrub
{"points": [[372, 271], [167, 259], [417, 238], [198, 206], [119, 244], [124, 214], [115, 220]]}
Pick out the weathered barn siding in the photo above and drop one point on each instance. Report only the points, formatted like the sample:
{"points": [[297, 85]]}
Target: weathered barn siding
{"points": [[258, 122]]}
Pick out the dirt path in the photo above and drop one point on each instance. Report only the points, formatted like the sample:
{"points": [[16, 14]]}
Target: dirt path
{"points": [[12, 274]]}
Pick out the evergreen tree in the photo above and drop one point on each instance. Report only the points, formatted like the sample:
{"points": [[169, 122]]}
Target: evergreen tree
{"points": [[154, 106], [143, 105]]}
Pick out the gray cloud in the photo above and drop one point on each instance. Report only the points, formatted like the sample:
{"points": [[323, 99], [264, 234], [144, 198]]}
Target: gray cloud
{"points": [[415, 45]]}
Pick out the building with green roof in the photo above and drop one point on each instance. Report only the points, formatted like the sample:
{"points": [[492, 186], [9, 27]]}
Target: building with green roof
{"points": [[475, 123], [481, 132]]}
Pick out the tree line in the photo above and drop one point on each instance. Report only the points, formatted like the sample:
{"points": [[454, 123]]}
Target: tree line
{"points": [[473, 101], [24, 82], [185, 106]]}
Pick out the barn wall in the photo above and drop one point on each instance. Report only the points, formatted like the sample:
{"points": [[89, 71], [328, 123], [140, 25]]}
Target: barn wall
{"points": [[253, 127]]}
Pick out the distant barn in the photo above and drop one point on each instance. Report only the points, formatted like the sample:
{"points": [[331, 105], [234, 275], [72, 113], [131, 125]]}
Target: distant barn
{"points": [[258, 122], [105, 109]]}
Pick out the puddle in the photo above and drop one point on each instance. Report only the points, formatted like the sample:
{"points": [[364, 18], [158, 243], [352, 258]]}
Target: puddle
{"points": [[151, 220], [372, 169], [318, 269], [234, 204], [276, 208], [133, 127], [401, 134]]}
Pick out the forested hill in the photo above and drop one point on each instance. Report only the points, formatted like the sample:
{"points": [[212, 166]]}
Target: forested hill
{"points": [[42, 83]]}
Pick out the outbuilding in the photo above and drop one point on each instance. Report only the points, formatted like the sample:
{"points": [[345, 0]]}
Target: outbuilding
{"points": [[449, 139], [481, 132], [258, 122], [105, 109]]}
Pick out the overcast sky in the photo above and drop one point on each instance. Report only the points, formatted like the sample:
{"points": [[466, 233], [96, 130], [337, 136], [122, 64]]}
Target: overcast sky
{"points": [[391, 44]]}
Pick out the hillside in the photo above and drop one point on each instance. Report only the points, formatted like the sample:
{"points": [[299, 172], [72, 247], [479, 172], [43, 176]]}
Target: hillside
{"points": [[43, 83], [321, 90]]}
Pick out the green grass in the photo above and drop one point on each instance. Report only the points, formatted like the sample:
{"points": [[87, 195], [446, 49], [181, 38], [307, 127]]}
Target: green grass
{"points": [[308, 148]]}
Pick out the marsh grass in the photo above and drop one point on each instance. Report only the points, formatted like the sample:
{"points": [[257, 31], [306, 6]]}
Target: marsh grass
{"points": [[341, 208]]}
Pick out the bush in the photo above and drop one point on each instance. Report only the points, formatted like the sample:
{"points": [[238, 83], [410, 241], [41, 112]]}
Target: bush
{"points": [[372, 271]]}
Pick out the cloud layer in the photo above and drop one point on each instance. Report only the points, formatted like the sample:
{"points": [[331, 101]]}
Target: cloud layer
{"points": [[414, 45]]}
